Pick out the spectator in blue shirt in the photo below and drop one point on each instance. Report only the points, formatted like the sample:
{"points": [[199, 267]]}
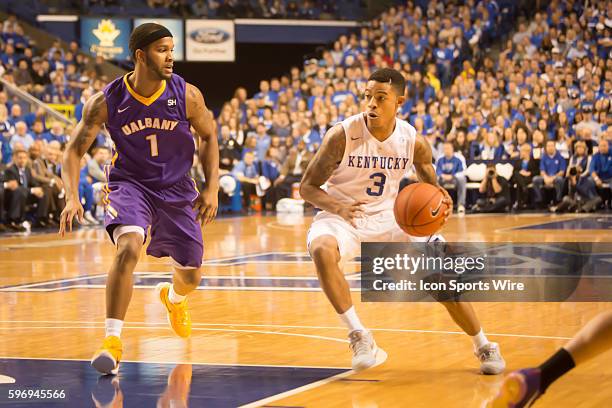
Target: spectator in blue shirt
{"points": [[402, 54], [16, 115], [263, 142], [525, 169], [265, 97], [22, 136], [269, 169], [78, 109], [552, 173], [601, 171], [38, 131], [6, 150], [416, 51], [246, 172], [341, 93], [8, 57], [449, 169], [56, 133], [424, 116]]}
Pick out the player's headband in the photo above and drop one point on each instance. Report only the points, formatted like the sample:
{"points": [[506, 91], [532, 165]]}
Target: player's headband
{"points": [[153, 36]]}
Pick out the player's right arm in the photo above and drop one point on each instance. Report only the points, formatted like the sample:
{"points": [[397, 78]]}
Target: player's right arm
{"points": [[94, 116], [320, 168]]}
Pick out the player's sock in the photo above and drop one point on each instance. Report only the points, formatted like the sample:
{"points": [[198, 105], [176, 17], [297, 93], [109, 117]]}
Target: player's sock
{"points": [[556, 366], [175, 297], [351, 320], [113, 327], [479, 340]]}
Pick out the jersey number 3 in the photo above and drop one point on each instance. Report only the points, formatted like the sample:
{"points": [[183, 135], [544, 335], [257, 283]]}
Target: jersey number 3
{"points": [[153, 140], [379, 183]]}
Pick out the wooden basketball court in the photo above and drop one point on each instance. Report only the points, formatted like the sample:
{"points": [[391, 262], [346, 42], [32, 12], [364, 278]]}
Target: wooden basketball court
{"points": [[264, 334]]}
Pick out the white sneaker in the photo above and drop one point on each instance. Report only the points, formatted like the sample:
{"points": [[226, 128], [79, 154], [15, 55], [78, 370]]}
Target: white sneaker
{"points": [[460, 211], [491, 361], [90, 218], [364, 349]]}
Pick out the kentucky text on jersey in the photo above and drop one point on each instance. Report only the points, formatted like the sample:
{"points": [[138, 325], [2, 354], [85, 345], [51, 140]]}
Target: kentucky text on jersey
{"points": [[152, 123], [380, 162]]}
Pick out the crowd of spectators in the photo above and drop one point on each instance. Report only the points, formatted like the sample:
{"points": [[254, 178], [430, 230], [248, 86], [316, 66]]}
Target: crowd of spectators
{"points": [[287, 9], [537, 99], [31, 143], [476, 91]]}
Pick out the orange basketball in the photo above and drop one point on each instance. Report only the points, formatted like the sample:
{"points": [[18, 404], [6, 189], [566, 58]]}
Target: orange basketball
{"points": [[419, 209]]}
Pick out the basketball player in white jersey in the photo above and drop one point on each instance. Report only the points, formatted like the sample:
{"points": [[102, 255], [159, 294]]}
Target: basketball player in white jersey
{"points": [[363, 159]]}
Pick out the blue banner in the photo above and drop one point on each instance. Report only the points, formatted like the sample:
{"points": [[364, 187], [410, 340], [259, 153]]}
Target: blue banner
{"points": [[176, 28], [108, 37]]}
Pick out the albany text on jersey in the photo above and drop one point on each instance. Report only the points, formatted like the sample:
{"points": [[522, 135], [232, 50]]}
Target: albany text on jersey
{"points": [[153, 141]]}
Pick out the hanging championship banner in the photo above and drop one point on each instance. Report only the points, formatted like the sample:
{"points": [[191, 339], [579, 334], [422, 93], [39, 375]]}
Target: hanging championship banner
{"points": [[210, 40], [108, 37]]}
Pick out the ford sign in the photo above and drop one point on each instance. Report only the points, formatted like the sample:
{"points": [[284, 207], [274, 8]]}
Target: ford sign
{"points": [[209, 35]]}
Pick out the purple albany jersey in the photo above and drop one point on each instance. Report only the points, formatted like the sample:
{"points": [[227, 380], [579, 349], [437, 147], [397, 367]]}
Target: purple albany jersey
{"points": [[153, 142], [148, 181]]}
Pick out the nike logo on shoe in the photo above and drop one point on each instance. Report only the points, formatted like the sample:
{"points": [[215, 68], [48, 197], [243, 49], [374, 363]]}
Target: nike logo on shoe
{"points": [[122, 110]]}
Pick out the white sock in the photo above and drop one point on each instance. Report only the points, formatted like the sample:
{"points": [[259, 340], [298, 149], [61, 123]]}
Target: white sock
{"points": [[479, 340], [175, 297], [351, 320], [113, 327]]}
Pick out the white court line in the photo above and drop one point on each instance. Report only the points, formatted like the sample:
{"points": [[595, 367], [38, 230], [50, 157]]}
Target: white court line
{"points": [[549, 221], [222, 288], [151, 274], [5, 379], [32, 285], [275, 326], [381, 357], [179, 362], [311, 336]]}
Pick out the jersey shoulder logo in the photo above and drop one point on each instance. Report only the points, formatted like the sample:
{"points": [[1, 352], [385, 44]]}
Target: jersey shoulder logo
{"points": [[172, 102], [123, 110]]}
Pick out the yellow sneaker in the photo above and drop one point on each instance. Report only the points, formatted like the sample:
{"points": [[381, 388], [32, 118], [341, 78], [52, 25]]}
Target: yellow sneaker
{"points": [[178, 315], [106, 359]]}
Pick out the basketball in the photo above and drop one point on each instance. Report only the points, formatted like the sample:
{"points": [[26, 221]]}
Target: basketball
{"points": [[419, 209]]}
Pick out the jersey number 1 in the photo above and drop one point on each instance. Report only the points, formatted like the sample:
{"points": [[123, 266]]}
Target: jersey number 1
{"points": [[153, 140], [379, 181]]}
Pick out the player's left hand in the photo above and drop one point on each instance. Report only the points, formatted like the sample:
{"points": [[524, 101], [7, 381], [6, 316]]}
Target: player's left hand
{"points": [[206, 205], [448, 201]]}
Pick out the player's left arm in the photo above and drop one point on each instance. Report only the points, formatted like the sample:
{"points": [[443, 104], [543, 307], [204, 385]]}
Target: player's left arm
{"points": [[208, 151], [423, 164]]}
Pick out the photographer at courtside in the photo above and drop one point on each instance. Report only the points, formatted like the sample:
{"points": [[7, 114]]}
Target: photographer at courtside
{"points": [[576, 174], [494, 191]]}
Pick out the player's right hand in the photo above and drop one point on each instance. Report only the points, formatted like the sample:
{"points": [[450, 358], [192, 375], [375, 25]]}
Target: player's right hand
{"points": [[350, 212], [73, 208]]}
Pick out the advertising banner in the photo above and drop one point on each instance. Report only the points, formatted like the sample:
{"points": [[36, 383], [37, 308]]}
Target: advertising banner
{"points": [[210, 40]]}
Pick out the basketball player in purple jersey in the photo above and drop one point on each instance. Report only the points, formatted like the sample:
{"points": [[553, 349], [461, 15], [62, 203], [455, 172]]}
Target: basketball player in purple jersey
{"points": [[148, 114]]}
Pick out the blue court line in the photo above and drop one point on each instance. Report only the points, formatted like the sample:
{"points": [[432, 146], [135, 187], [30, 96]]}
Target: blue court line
{"points": [[601, 222], [144, 384]]}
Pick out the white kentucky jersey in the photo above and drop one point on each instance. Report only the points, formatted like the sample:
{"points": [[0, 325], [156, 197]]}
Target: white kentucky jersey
{"points": [[370, 170]]}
